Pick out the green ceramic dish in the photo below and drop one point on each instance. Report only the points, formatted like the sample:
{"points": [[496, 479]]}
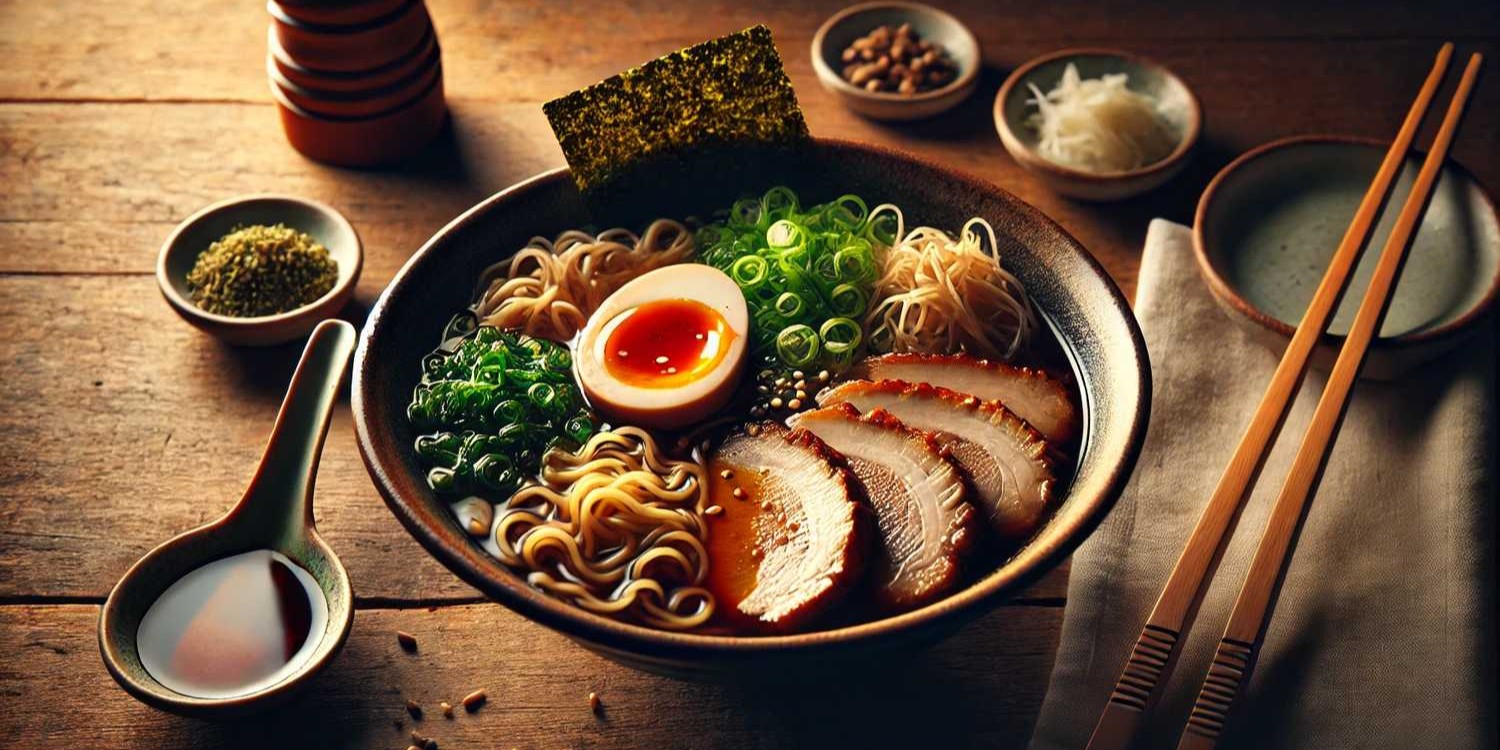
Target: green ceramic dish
{"points": [[1269, 223]]}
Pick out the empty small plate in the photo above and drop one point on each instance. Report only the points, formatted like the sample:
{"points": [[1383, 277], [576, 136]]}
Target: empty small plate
{"points": [[1269, 223]]}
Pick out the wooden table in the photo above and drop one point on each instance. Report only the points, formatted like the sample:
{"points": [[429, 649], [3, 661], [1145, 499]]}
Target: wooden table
{"points": [[120, 425]]}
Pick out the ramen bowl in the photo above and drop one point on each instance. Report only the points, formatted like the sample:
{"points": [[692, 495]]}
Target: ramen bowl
{"points": [[1098, 339]]}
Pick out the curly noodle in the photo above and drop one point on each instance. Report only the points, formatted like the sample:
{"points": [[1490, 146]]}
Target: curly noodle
{"points": [[550, 288], [615, 528]]}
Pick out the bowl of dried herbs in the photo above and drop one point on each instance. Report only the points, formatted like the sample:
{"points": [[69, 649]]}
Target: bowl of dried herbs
{"points": [[260, 270]]}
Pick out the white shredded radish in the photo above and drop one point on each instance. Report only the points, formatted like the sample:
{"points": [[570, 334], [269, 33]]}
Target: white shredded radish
{"points": [[1099, 124]]}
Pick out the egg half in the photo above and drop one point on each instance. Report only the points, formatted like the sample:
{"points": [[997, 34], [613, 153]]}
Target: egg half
{"points": [[665, 350]]}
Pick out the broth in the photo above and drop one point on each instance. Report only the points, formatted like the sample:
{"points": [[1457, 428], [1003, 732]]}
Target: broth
{"points": [[233, 627]]}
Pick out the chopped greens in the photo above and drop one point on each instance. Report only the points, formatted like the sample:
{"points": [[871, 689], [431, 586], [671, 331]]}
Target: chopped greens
{"points": [[806, 274], [489, 405]]}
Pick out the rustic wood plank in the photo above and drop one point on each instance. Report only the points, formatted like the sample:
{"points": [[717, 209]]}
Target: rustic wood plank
{"points": [[95, 188], [979, 689], [133, 49], [124, 426]]}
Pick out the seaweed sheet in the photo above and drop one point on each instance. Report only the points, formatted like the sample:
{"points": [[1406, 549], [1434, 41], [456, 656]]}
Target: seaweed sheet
{"points": [[636, 129]]}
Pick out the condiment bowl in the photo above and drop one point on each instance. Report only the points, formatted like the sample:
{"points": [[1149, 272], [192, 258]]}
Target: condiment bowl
{"points": [[838, 32], [335, 14], [426, 55], [275, 513], [367, 103], [1183, 115], [193, 236], [357, 47], [1084, 311], [364, 141], [1268, 224]]}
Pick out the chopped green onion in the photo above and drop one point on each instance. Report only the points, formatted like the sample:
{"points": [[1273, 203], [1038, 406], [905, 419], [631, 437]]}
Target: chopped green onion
{"points": [[798, 345], [490, 403], [799, 269]]}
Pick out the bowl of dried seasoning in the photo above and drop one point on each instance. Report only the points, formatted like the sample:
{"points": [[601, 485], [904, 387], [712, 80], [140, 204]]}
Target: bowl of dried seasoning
{"points": [[260, 270]]}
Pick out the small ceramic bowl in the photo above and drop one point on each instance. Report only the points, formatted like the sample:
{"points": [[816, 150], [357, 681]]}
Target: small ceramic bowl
{"points": [[334, 14], [1182, 113], [931, 24], [425, 55], [197, 232], [369, 103], [359, 47], [364, 141], [1268, 224]]}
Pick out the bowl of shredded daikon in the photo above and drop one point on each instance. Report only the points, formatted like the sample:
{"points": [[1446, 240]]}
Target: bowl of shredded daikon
{"points": [[1097, 124]]}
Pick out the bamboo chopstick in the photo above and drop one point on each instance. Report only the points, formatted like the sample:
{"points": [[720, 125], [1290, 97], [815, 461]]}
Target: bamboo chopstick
{"points": [[1157, 647], [1235, 658]]}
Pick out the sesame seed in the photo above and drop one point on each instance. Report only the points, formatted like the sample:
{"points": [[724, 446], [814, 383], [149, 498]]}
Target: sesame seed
{"points": [[727, 474], [414, 709], [662, 360], [713, 510], [739, 492], [594, 702], [474, 700], [447, 709], [407, 640]]}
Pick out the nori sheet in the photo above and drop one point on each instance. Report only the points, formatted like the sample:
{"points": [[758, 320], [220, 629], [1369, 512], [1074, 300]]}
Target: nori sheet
{"points": [[627, 131]]}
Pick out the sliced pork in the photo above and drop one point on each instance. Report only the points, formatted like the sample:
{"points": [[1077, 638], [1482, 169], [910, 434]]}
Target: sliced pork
{"points": [[916, 492], [797, 515], [1033, 395], [1005, 459]]}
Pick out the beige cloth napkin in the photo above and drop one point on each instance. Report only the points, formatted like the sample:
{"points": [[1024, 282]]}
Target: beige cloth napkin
{"points": [[1384, 633]]}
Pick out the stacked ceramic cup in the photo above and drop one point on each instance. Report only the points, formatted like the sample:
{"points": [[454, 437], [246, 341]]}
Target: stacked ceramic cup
{"points": [[358, 82]]}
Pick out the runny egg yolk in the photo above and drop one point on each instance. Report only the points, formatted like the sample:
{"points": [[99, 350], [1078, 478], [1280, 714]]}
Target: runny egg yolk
{"points": [[665, 343]]}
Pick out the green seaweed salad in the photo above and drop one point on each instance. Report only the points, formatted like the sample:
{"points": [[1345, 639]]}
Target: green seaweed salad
{"points": [[807, 274], [490, 404]]}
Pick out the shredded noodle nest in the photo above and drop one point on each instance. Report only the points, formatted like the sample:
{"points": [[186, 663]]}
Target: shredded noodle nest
{"points": [[938, 294]]}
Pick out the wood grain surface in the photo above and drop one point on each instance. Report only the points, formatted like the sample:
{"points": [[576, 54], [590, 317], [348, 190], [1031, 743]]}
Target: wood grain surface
{"points": [[120, 425]]}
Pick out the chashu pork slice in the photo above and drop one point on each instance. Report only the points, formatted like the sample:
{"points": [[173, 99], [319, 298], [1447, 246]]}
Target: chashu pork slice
{"points": [[1032, 395], [1005, 459], [917, 493], [810, 527]]}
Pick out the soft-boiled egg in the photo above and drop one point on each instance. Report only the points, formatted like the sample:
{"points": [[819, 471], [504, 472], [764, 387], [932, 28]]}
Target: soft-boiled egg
{"points": [[666, 349]]}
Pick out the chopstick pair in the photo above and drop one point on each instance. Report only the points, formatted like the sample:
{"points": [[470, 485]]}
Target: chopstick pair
{"points": [[1159, 644]]}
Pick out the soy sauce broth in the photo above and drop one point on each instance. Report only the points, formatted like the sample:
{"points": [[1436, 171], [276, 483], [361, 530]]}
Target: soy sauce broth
{"points": [[234, 626]]}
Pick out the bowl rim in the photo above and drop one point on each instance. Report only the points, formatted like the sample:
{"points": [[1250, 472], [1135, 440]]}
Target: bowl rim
{"points": [[470, 563], [966, 76], [1225, 292], [1028, 156], [169, 247]]}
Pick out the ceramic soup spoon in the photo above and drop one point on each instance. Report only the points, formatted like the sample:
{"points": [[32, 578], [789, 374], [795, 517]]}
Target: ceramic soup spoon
{"points": [[160, 615]]}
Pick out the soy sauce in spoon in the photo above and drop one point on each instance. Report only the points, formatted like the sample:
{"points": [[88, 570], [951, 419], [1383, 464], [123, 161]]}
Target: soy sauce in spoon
{"points": [[234, 626]]}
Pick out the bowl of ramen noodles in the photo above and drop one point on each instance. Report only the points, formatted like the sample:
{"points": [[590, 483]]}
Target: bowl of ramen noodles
{"points": [[795, 404]]}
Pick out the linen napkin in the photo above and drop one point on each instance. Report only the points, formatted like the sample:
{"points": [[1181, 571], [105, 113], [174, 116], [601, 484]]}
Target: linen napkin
{"points": [[1383, 636]]}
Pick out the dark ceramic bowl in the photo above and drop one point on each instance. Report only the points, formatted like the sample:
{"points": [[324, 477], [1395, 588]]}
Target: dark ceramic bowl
{"points": [[1093, 323]]}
